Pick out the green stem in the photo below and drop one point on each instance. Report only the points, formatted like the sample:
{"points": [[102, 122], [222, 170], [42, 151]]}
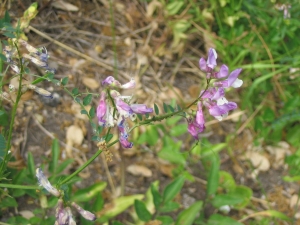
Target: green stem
{"points": [[14, 111], [85, 164], [16, 186], [167, 115]]}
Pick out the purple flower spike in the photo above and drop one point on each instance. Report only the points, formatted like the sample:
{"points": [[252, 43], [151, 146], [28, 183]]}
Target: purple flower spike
{"points": [[141, 109], [101, 109]]}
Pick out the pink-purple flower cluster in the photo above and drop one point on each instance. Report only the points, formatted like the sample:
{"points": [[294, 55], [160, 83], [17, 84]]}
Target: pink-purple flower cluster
{"points": [[63, 214], [213, 98], [114, 108]]}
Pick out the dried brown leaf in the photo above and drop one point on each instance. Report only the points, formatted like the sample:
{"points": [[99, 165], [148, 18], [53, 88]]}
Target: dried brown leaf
{"points": [[64, 6], [90, 83], [138, 170]]}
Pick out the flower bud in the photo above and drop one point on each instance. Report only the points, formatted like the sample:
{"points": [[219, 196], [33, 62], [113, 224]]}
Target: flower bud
{"points": [[85, 214]]}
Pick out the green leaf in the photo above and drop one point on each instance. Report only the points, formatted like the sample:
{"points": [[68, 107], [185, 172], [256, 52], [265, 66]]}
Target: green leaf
{"points": [[171, 108], [40, 79], [55, 156], [156, 109], [2, 147], [166, 220], [99, 202], [169, 207], [117, 223], [149, 137], [9, 35], [4, 119], [30, 164], [173, 120], [217, 219], [157, 199], [8, 202], [118, 206], [171, 152], [212, 150], [75, 91], [165, 107], [63, 165], [17, 220], [83, 111], [87, 99], [213, 177], [173, 189], [108, 137], [2, 57], [65, 81], [226, 199], [178, 130], [226, 181], [174, 7], [187, 216], [244, 193], [86, 194], [141, 210], [78, 100], [6, 18], [92, 112]]}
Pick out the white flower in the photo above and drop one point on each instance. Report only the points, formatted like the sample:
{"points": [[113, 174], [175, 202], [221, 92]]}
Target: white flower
{"points": [[44, 182]]}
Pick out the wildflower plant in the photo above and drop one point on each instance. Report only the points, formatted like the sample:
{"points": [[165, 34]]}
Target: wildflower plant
{"points": [[114, 110]]}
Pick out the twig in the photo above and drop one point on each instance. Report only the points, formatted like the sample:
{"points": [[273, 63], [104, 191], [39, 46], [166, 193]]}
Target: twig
{"points": [[109, 178], [52, 136], [99, 63]]}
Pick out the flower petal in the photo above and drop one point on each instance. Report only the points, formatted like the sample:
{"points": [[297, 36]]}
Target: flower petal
{"points": [[233, 76], [140, 108], [223, 72], [212, 58], [202, 64], [44, 182]]}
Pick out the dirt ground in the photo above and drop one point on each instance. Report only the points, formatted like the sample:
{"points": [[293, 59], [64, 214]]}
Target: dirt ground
{"points": [[144, 51]]}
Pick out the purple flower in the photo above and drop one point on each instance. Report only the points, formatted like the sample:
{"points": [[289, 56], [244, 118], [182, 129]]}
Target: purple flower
{"points": [[123, 108], [140, 108], [84, 213], [220, 109], [123, 133], [44, 182], [128, 85], [199, 115], [222, 73], [231, 81], [62, 216], [101, 109], [195, 127], [211, 63], [213, 93], [112, 82]]}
